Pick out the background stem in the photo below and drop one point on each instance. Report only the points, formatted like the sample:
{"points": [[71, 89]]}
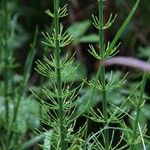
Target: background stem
{"points": [[102, 72], [23, 86], [6, 59]]}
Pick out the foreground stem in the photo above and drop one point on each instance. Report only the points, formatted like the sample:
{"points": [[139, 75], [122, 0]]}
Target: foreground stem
{"points": [[59, 80]]}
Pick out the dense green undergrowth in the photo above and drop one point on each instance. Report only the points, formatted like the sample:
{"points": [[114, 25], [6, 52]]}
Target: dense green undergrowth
{"points": [[48, 116]]}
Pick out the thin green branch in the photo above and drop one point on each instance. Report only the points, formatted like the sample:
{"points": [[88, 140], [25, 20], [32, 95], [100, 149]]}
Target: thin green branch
{"points": [[139, 106]]}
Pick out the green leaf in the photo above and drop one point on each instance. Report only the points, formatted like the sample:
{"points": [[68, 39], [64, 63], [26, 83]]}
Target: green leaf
{"points": [[78, 29], [31, 142], [28, 114], [124, 25], [89, 38], [146, 111], [144, 52]]}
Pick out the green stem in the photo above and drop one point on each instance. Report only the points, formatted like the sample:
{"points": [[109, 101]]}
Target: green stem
{"points": [[102, 72], [89, 104], [138, 110], [6, 60], [59, 80], [23, 86]]}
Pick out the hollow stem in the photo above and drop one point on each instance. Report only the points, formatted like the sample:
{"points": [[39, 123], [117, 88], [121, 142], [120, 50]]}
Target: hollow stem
{"points": [[59, 80], [102, 71]]}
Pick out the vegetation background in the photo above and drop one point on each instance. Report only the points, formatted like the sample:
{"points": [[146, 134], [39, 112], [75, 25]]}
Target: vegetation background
{"points": [[25, 17]]}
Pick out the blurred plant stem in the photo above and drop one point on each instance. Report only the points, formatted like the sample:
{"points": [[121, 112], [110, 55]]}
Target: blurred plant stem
{"points": [[7, 56]]}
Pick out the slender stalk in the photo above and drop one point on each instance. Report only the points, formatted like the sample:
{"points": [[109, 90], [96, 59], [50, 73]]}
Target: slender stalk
{"points": [[138, 110], [27, 70], [124, 25], [6, 59], [102, 72], [59, 80], [21, 93]]}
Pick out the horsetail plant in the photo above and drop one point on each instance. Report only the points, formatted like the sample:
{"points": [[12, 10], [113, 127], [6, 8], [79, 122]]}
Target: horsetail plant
{"points": [[99, 82], [13, 93], [60, 106]]}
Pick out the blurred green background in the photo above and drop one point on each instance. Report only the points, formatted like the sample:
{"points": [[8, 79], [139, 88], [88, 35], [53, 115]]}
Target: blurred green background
{"points": [[26, 16]]}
